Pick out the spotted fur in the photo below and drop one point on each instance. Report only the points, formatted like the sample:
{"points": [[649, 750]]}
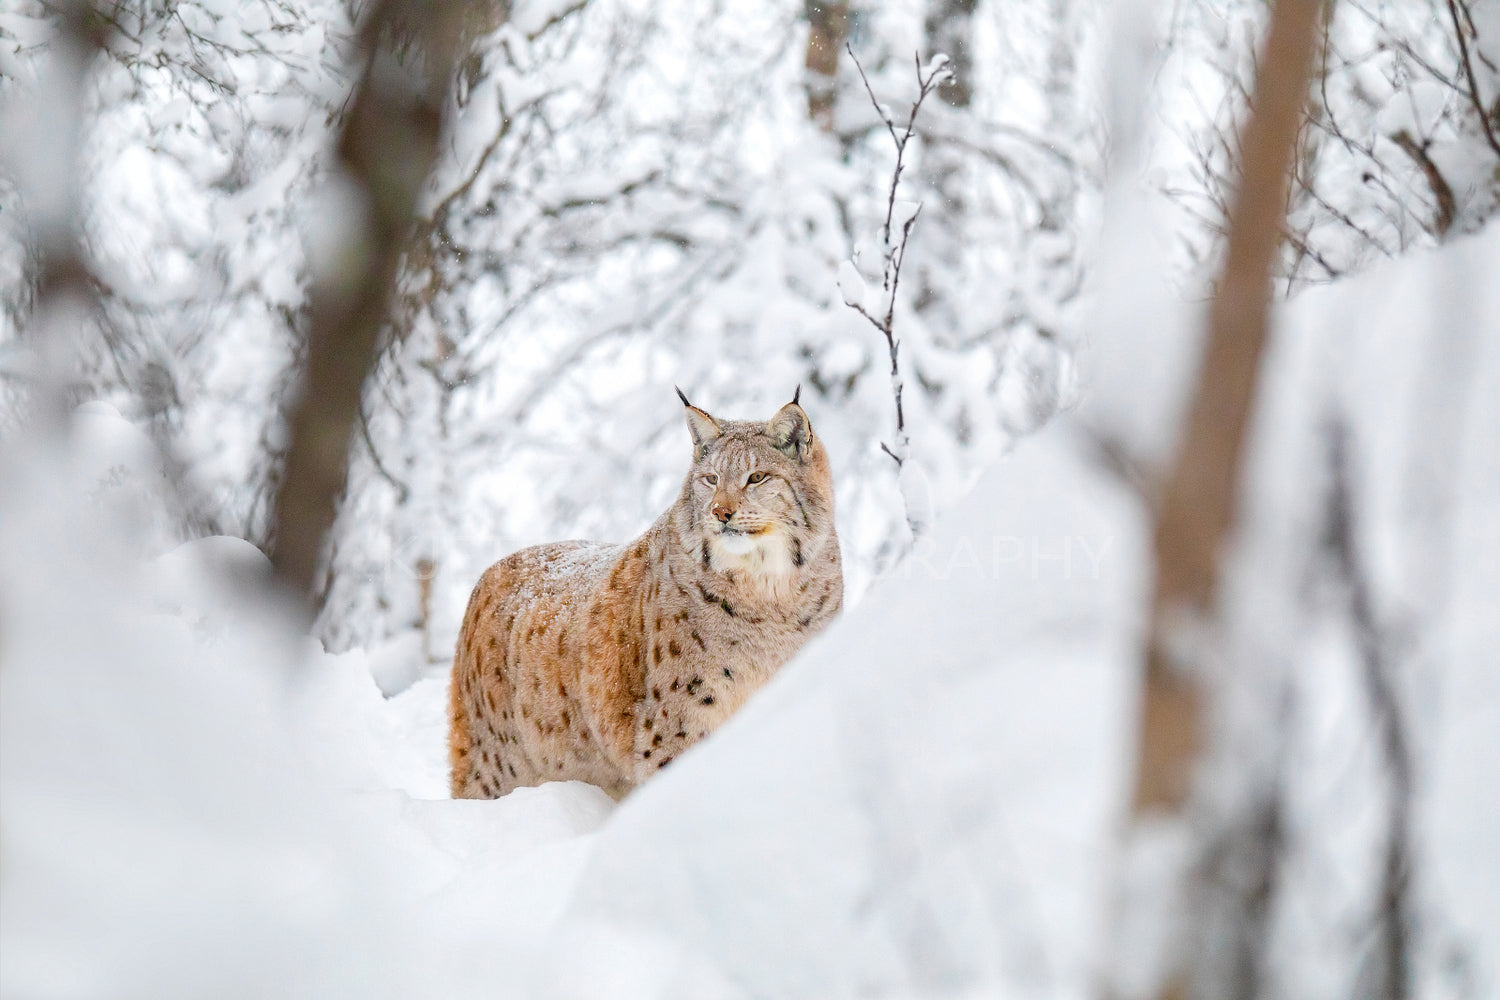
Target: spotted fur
{"points": [[603, 663]]}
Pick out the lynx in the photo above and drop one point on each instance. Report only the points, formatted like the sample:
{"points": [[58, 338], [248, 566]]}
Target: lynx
{"points": [[601, 663]]}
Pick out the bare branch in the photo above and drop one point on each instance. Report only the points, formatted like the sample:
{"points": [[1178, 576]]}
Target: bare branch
{"points": [[1442, 193], [1468, 67], [1394, 958], [402, 492], [894, 253]]}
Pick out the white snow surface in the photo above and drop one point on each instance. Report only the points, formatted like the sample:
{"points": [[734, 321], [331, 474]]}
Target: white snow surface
{"points": [[935, 775], [199, 802]]}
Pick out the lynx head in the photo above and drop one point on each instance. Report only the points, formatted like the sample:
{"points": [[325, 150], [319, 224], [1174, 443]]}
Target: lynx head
{"points": [[759, 496]]}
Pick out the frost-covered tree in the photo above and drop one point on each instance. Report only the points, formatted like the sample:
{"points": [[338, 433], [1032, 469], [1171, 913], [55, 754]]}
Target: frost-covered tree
{"points": [[612, 221], [204, 129], [633, 195], [1399, 146]]}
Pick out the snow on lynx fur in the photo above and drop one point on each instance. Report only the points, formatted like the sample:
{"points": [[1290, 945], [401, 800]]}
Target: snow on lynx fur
{"points": [[601, 663]]}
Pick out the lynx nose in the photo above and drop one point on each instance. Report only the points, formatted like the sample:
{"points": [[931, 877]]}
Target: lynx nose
{"points": [[723, 512]]}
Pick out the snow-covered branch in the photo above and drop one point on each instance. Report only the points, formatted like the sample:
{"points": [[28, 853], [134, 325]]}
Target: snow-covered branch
{"points": [[880, 309], [1463, 26], [1397, 150]]}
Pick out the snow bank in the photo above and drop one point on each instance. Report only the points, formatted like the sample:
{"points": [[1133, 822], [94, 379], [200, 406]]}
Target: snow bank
{"points": [[921, 802], [199, 802], [1404, 364]]}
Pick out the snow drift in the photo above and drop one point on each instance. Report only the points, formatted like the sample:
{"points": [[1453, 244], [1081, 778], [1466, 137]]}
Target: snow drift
{"points": [[199, 803]]}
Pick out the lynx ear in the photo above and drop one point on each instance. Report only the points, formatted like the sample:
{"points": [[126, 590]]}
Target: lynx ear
{"points": [[790, 430], [704, 429]]}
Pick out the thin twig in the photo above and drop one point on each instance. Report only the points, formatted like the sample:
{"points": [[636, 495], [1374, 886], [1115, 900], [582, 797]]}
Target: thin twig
{"points": [[894, 254], [1373, 642], [402, 493], [1468, 65], [1442, 192]]}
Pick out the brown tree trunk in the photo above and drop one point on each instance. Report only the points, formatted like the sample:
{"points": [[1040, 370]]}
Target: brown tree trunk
{"points": [[64, 295], [387, 149], [827, 32], [950, 30], [1198, 511], [1199, 500]]}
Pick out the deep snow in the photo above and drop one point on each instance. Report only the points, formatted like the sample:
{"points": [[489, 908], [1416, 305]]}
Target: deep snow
{"points": [[199, 803]]}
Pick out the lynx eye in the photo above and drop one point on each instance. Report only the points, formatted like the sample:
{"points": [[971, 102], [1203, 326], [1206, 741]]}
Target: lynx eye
{"points": [[756, 477], [711, 479]]}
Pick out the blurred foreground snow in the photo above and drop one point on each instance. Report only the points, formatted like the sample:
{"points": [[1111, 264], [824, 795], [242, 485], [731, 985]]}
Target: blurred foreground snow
{"points": [[197, 802]]}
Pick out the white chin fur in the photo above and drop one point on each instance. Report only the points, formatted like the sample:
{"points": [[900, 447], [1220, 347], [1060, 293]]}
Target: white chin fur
{"points": [[737, 545], [765, 555]]}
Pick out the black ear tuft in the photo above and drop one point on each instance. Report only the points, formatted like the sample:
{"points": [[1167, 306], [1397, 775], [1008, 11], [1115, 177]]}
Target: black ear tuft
{"points": [[704, 428], [790, 432], [797, 396]]}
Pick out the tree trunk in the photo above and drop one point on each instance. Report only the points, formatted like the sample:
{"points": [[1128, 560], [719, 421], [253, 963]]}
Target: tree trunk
{"points": [[1198, 510], [64, 295], [388, 146], [1198, 507], [827, 33], [949, 27]]}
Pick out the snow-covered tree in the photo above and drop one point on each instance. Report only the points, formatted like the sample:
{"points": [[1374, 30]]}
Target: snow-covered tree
{"points": [[205, 125], [610, 223], [1399, 146]]}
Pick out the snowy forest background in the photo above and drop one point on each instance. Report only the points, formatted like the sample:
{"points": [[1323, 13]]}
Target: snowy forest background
{"points": [[627, 195]]}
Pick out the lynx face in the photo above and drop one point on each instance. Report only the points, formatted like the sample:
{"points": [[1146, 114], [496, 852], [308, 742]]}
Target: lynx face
{"points": [[760, 494]]}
